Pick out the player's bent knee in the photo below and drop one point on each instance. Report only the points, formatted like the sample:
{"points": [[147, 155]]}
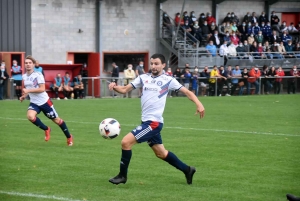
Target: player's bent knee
{"points": [[128, 141]]}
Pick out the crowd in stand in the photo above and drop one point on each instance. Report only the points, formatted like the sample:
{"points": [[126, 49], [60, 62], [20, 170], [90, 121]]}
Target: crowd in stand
{"points": [[227, 81], [254, 37]]}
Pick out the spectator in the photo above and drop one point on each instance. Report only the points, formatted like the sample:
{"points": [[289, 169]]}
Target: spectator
{"points": [[297, 49], [267, 31], [205, 31], [267, 50], [240, 50], [259, 38], [245, 76], [222, 80], [247, 17], [195, 86], [281, 49], [254, 75], [285, 38], [227, 19], [129, 75], [214, 74], [222, 31], [261, 50], [265, 81], [215, 38], [67, 86], [298, 26], [228, 28], [246, 46], [255, 29], [275, 49], [243, 31], [227, 38], [3, 79], [57, 85], [202, 19], [250, 39], [234, 39], [289, 49], [193, 19], [178, 20], [187, 78], [292, 81], [283, 27], [78, 87], [229, 76], [234, 19], [234, 28], [274, 21], [139, 70], [186, 66], [232, 54], [197, 32], [186, 16], [253, 18], [167, 23], [292, 28], [177, 75], [210, 19], [271, 80], [224, 51], [249, 29], [38, 68], [16, 72], [204, 82], [263, 19], [212, 28], [211, 49], [274, 38], [278, 80], [254, 50], [236, 74], [188, 31]]}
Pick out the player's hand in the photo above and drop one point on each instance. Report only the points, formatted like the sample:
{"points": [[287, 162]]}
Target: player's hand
{"points": [[200, 110], [22, 98], [111, 86]]}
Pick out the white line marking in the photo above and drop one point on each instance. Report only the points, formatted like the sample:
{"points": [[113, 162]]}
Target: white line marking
{"points": [[37, 196], [182, 128]]}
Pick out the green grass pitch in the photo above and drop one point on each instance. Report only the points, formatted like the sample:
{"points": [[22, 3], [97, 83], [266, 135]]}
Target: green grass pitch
{"points": [[245, 149]]}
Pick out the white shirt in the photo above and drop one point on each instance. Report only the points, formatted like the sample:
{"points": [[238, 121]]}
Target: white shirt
{"points": [[155, 90], [32, 81], [223, 50], [232, 50]]}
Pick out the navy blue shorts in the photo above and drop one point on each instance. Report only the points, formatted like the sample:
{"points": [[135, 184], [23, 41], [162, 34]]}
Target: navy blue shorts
{"points": [[47, 109], [148, 131]]}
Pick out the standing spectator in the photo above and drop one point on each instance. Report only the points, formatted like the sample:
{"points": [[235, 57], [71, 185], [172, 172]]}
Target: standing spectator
{"points": [[222, 31], [214, 74], [16, 72], [222, 80], [271, 75], [195, 86], [202, 19], [177, 75], [38, 68], [169, 72], [210, 19], [224, 51], [292, 81], [216, 39], [234, 19], [3, 79], [255, 29], [129, 75], [274, 21], [285, 38], [263, 19], [57, 85], [78, 87], [167, 23], [229, 76], [265, 79], [68, 90], [244, 81], [115, 75], [139, 70], [243, 31], [254, 75], [211, 49], [204, 82], [247, 17], [278, 80], [253, 18], [234, 39], [187, 78], [236, 74], [267, 31], [178, 20]]}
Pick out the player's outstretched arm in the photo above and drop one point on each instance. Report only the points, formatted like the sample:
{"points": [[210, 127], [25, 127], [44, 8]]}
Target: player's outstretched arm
{"points": [[120, 89], [200, 108]]}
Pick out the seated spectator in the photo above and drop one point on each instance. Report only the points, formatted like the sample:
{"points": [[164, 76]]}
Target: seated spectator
{"points": [[289, 49], [247, 17], [195, 86], [253, 18], [187, 78], [234, 39], [232, 51], [246, 46], [202, 19], [278, 80], [240, 49], [236, 74], [227, 19], [267, 50], [283, 27], [285, 38], [275, 50], [68, 89], [129, 75], [78, 87], [178, 20], [193, 19], [254, 50], [243, 31], [249, 29], [281, 48], [267, 31], [3, 79], [167, 23], [210, 19], [265, 79], [228, 28], [205, 31], [227, 38], [250, 39], [275, 21], [255, 29], [261, 50], [186, 16], [234, 28], [188, 31], [234, 19], [212, 28], [211, 49], [263, 19], [197, 32], [204, 82], [222, 31], [57, 85], [253, 79], [274, 38], [215, 38], [292, 28], [259, 38]]}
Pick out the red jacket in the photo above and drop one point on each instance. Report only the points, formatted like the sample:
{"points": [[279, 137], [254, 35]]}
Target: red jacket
{"points": [[255, 74], [210, 20], [235, 40], [179, 21], [281, 73]]}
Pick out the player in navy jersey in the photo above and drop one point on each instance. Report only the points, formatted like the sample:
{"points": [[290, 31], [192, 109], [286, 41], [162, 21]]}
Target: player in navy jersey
{"points": [[155, 89], [34, 86]]}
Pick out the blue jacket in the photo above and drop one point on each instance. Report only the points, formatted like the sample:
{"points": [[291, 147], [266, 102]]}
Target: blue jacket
{"points": [[285, 39], [249, 30], [255, 30], [267, 31]]}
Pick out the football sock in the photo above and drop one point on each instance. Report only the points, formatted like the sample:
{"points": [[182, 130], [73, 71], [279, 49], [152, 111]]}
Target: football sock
{"points": [[39, 124], [125, 160], [174, 161], [64, 128]]}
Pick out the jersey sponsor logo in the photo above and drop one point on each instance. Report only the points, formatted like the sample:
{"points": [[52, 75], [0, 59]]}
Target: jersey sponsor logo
{"points": [[139, 128], [153, 81], [159, 83], [150, 89]]}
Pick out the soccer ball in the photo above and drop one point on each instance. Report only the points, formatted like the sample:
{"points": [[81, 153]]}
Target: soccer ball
{"points": [[109, 128]]}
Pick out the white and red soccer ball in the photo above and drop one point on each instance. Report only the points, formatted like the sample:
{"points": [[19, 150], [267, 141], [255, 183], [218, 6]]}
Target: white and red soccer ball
{"points": [[109, 128]]}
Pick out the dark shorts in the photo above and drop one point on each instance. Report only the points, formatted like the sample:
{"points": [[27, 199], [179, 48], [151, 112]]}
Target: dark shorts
{"points": [[18, 82], [148, 131], [47, 109]]}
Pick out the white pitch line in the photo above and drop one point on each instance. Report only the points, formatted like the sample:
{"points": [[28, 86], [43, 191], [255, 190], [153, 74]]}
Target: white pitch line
{"points": [[37, 196], [182, 128]]}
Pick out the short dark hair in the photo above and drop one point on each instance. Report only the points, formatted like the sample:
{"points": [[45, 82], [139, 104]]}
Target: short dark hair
{"points": [[159, 56]]}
